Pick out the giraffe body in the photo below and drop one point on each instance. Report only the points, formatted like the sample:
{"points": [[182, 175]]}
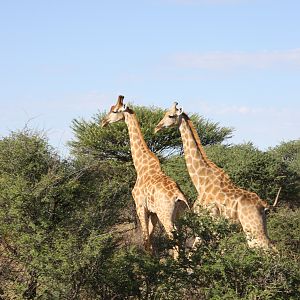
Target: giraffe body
{"points": [[157, 197], [216, 191]]}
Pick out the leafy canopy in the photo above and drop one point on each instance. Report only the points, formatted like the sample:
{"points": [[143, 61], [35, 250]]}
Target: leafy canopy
{"points": [[112, 142]]}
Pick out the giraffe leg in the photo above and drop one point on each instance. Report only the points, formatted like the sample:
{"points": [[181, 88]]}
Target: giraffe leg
{"points": [[153, 219], [168, 224], [144, 220], [169, 227], [143, 215], [198, 204]]}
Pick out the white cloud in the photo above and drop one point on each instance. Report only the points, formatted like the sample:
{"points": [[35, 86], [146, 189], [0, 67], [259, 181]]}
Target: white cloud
{"points": [[234, 60], [231, 109]]}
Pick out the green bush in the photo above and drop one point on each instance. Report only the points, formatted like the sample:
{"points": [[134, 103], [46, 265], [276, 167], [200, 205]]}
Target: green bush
{"points": [[56, 217], [288, 154], [222, 267], [284, 224], [258, 171]]}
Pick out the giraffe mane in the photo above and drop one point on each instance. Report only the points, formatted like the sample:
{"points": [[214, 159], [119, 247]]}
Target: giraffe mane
{"points": [[212, 165], [200, 147]]}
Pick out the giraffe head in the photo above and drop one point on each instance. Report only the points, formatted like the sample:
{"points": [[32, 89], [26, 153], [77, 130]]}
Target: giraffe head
{"points": [[171, 118], [116, 112]]}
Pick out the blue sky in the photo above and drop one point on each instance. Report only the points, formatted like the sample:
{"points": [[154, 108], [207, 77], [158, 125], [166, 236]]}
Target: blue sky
{"points": [[236, 62]]}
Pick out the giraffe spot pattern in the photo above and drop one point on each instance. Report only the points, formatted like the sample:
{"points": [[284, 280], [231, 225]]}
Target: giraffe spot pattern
{"points": [[215, 189]]}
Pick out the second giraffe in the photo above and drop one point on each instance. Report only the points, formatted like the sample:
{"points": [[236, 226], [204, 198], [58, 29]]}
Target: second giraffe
{"points": [[216, 191]]}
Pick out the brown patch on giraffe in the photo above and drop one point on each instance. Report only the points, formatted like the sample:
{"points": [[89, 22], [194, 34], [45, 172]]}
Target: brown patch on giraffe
{"points": [[209, 188], [215, 190], [225, 190], [221, 197]]}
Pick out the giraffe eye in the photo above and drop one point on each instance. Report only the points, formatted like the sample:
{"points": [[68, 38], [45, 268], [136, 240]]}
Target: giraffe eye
{"points": [[172, 116]]}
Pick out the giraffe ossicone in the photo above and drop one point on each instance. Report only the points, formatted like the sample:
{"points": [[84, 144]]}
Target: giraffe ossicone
{"points": [[216, 191], [157, 197]]}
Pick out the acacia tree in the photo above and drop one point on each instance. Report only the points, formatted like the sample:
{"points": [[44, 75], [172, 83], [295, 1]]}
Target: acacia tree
{"points": [[112, 142]]}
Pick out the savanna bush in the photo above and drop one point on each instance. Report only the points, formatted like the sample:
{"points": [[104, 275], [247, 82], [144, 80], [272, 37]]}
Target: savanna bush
{"points": [[55, 218], [259, 171]]}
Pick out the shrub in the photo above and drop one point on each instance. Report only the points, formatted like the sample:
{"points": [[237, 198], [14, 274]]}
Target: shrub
{"points": [[255, 170]]}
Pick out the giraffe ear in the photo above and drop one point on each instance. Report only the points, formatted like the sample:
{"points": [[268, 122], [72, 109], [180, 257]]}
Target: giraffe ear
{"points": [[124, 107], [180, 111], [174, 106]]}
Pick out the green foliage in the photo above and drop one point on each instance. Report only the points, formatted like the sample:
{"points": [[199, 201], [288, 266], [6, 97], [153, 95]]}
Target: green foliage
{"points": [[284, 226], [236, 272], [222, 267], [288, 154], [62, 222], [56, 216], [32, 184], [175, 167], [210, 133], [112, 142], [103, 195], [249, 168], [255, 170]]}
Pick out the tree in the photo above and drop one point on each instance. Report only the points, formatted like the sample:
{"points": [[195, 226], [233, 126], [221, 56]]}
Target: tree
{"points": [[288, 154], [113, 142]]}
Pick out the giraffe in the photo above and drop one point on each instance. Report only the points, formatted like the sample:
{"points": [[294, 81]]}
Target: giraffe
{"points": [[216, 191], [157, 197]]}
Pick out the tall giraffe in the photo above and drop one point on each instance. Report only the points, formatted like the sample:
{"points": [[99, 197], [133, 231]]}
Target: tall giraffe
{"points": [[156, 196], [216, 191]]}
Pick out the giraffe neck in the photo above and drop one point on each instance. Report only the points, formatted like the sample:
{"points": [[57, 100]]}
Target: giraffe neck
{"points": [[197, 162], [142, 157]]}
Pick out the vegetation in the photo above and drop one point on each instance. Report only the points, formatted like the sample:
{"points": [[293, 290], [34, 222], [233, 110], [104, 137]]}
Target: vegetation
{"points": [[113, 142], [68, 228]]}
